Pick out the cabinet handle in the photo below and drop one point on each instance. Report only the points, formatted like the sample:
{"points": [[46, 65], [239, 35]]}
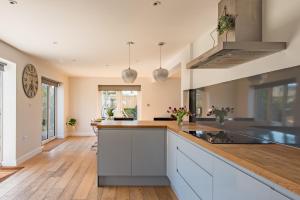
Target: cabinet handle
{"points": [[177, 148]]}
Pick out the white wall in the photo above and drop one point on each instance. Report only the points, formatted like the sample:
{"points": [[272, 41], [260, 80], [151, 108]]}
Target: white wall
{"points": [[9, 116], [85, 103], [280, 23], [29, 111]]}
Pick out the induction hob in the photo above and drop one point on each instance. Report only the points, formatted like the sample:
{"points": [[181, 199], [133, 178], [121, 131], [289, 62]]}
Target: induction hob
{"points": [[227, 137]]}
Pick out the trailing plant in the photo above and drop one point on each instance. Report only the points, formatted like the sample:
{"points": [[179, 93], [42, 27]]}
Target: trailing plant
{"points": [[226, 23]]}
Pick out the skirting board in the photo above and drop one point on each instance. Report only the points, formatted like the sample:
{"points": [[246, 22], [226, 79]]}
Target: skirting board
{"points": [[133, 181], [23, 158], [29, 155]]}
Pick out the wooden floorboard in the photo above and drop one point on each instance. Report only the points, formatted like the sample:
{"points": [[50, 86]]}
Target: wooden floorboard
{"points": [[68, 172], [53, 144]]}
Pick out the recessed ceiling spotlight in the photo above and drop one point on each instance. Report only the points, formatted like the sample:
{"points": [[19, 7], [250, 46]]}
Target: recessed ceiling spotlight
{"points": [[156, 3], [13, 2]]}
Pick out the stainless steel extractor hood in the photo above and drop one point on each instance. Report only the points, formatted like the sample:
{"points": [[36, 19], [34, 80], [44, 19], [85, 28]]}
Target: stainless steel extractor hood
{"points": [[244, 43]]}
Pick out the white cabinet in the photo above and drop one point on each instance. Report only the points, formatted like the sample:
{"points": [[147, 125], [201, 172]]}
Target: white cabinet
{"points": [[198, 155], [183, 190], [277, 196], [196, 174], [148, 152], [232, 184], [132, 152], [199, 180], [189, 180], [114, 150], [172, 140]]}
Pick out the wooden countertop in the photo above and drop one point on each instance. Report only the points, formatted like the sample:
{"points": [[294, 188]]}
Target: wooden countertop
{"points": [[277, 163]]}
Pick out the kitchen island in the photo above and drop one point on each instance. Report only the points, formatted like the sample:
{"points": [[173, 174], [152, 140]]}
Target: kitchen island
{"points": [[160, 153]]}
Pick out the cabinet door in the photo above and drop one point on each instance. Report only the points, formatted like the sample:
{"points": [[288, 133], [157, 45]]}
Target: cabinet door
{"points": [[114, 155], [171, 156], [232, 184], [148, 152]]}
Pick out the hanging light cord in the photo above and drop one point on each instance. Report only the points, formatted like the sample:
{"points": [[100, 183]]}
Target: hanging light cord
{"points": [[129, 43], [160, 47], [160, 56], [129, 52]]}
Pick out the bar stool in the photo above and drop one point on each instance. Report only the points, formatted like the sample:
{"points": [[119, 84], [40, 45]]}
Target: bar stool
{"points": [[95, 145]]}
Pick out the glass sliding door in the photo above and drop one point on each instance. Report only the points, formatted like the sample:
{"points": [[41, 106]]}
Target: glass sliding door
{"points": [[52, 107], [49, 112]]}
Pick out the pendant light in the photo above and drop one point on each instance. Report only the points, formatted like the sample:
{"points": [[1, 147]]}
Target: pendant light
{"points": [[160, 74], [129, 75]]}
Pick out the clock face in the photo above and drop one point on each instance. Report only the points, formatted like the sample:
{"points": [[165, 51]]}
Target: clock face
{"points": [[30, 81]]}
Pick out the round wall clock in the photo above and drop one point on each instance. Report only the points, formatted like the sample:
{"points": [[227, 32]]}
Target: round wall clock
{"points": [[30, 81]]}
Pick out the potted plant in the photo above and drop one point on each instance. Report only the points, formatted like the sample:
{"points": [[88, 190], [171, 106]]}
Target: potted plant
{"points": [[220, 114], [72, 123], [110, 112], [179, 113], [226, 23]]}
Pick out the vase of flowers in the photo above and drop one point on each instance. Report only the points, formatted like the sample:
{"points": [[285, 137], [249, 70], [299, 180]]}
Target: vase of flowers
{"points": [[220, 113], [179, 114]]}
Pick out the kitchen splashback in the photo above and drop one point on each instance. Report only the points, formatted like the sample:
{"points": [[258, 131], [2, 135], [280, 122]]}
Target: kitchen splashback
{"points": [[270, 99]]}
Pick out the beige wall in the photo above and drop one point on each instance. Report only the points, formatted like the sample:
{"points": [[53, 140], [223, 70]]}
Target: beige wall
{"points": [[29, 111], [85, 102]]}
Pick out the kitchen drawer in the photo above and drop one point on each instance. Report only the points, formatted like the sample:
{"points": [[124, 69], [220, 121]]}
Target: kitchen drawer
{"points": [[233, 184], [196, 177], [183, 190], [202, 158]]}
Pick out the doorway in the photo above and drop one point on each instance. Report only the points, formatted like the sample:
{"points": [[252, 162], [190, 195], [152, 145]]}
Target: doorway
{"points": [[49, 93]]}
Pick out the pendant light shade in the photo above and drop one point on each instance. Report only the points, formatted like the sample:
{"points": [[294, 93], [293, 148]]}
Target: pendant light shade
{"points": [[160, 74], [129, 75]]}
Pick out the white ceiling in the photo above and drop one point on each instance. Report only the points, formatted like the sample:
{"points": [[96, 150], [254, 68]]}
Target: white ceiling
{"points": [[91, 35]]}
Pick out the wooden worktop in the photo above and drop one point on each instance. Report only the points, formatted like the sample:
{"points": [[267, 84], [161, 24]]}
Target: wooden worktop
{"points": [[277, 163]]}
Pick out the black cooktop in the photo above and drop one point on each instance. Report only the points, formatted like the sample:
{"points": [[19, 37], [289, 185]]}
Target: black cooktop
{"points": [[227, 137]]}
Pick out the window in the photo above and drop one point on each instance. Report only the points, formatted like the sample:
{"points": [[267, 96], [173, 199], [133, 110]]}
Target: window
{"points": [[119, 104], [119, 101], [274, 103], [49, 109]]}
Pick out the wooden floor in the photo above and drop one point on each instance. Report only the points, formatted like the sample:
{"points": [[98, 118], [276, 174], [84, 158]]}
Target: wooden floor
{"points": [[69, 172]]}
